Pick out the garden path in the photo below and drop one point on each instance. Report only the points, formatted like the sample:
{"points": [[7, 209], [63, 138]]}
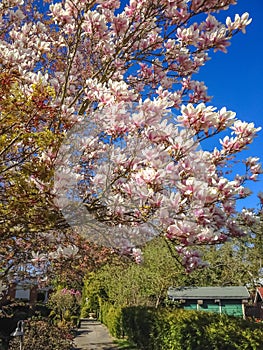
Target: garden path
{"points": [[92, 335]]}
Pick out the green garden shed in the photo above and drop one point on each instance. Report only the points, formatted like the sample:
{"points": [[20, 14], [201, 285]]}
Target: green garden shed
{"points": [[222, 300]]}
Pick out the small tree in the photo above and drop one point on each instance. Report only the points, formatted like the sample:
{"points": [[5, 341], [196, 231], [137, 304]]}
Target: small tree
{"points": [[65, 303]]}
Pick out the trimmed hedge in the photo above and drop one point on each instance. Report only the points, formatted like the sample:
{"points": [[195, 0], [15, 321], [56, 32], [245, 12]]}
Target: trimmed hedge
{"points": [[163, 329], [112, 318], [139, 324]]}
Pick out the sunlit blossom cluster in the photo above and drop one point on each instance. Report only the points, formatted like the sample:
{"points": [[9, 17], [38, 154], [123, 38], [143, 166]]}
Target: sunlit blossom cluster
{"points": [[71, 292]]}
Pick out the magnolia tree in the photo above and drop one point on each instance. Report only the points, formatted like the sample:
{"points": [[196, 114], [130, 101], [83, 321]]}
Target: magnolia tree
{"points": [[103, 123], [28, 238]]}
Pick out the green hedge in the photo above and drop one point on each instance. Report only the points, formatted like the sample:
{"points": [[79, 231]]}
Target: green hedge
{"points": [[179, 329], [139, 324], [112, 318]]}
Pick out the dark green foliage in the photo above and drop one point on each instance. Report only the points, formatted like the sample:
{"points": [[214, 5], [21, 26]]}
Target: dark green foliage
{"points": [[138, 325], [15, 311], [91, 305], [42, 310], [74, 320], [164, 329]]}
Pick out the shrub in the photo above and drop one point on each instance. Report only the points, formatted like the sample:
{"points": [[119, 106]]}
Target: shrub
{"points": [[163, 329], [74, 320], [41, 335], [65, 303], [187, 330], [91, 305], [138, 325], [111, 316], [231, 333], [15, 312]]}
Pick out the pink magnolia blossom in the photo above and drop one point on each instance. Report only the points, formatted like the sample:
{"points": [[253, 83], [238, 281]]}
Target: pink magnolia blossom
{"points": [[124, 96]]}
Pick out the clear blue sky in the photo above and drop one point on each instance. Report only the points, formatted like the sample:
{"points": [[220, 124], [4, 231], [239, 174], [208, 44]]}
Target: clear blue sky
{"points": [[235, 79]]}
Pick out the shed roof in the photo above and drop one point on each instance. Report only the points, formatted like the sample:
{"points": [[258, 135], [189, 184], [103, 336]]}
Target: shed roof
{"points": [[259, 294], [260, 291], [233, 292]]}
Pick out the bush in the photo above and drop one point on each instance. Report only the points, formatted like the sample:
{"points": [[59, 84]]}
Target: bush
{"points": [[163, 329], [42, 309], [15, 312], [187, 330], [139, 325], [65, 303], [74, 320], [41, 335], [91, 305], [231, 333], [111, 316]]}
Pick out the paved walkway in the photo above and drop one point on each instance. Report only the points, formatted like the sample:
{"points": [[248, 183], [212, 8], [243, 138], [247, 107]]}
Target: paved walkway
{"points": [[92, 335]]}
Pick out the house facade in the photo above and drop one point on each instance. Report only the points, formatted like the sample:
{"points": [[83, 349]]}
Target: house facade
{"points": [[222, 300], [24, 291]]}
